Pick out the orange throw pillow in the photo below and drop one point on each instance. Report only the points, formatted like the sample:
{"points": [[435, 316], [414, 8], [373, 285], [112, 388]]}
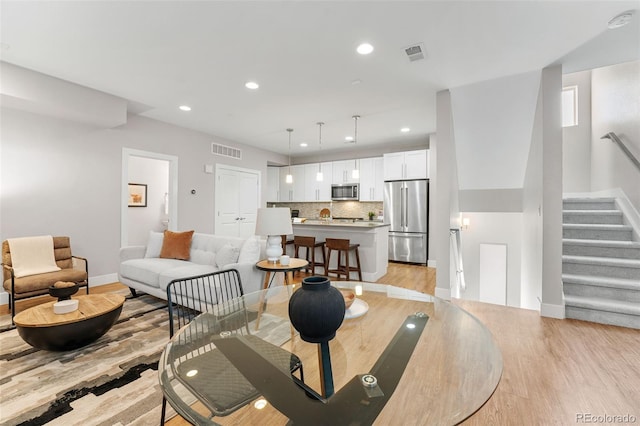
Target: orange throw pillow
{"points": [[176, 245]]}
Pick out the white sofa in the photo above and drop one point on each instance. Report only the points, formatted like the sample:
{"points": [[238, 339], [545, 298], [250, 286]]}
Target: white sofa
{"points": [[142, 269]]}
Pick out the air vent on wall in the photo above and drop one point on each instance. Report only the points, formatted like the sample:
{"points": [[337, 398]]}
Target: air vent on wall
{"points": [[226, 151], [415, 52]]}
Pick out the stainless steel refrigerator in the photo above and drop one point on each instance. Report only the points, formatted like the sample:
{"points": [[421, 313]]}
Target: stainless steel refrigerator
{"points": [[406, 209]]}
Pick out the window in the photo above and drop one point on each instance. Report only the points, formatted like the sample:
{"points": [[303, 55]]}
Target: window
{"points": [[570, 106]]}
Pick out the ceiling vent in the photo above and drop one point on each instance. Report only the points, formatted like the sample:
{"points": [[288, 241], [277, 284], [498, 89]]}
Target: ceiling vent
{"points": [[415, 52], [226, 151]]}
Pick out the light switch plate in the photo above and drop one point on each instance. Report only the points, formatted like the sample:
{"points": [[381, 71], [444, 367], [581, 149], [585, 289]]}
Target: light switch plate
{"points": [[208, 168]]}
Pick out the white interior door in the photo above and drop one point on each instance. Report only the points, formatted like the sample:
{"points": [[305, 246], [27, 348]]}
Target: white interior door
{"points": [[237, 200], [249, 199]]}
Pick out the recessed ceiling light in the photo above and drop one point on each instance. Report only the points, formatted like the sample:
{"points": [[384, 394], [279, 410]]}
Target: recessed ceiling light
{"points": [[185, 108], [348, 138], [364, 49], [251, 85], [304, 145], [405, 130], [620, 20], [356, 82]]}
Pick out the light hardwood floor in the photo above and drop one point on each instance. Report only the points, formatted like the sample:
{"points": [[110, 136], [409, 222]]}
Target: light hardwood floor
{"points": [[554, 370]]}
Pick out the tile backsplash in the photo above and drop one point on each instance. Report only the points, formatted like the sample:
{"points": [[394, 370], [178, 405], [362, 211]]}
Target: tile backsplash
{"points": [[337, 208]]}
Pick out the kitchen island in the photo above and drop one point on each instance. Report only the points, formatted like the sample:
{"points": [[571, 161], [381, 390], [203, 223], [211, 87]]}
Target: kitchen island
{"points": [[372, 236]]}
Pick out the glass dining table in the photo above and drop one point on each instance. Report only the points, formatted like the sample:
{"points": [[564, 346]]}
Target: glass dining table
{"points": [[399, 354]]}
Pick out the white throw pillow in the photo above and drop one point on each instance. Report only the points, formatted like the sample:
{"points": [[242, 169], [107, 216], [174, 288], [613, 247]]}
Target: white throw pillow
{"points": [[154, 244], [250, 251], [226, 255]]}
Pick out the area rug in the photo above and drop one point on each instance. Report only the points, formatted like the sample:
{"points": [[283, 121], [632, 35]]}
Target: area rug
{"points": [[113, 381]]}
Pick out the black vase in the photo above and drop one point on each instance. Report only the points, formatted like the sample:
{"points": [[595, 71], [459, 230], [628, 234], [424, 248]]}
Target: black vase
{"points": [[316, 309]]}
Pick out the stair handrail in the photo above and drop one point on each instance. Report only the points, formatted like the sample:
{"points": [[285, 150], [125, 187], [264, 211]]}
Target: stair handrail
{"points": [[612, 136]]}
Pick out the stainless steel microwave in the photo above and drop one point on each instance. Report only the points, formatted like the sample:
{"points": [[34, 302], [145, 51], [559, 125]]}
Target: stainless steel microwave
{"points": [[346, 191]]}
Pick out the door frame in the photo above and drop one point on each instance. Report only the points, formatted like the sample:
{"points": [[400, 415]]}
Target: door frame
{"points": [[217, 201], [124, 189]]}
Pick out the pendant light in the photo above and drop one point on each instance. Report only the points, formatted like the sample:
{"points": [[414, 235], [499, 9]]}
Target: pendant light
{"points": [[289, 178], [355, 173], [319, 176]]}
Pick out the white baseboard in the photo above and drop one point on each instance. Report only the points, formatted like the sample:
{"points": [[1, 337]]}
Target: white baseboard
{"points": [[431, 263], [102, 280], [93, 282], [443, 293], [552, 311]]}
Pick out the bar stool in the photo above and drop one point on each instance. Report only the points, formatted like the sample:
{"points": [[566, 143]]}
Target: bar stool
{"points": [[309, 243], [285, 243], [342, 247]]}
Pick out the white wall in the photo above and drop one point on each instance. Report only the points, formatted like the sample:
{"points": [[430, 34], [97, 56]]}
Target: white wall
{"points": [[531, 286], [155, 174], [492, 126], [492, 228], [616, 108], [442, 148], [62, 177], [552, 294], [576, 140]]}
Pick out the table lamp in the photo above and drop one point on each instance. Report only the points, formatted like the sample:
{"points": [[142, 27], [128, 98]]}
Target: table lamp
{"points": [[274, 222]]}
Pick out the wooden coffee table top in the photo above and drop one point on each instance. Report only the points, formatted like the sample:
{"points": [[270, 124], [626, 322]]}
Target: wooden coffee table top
{"points": [[89, 306]]}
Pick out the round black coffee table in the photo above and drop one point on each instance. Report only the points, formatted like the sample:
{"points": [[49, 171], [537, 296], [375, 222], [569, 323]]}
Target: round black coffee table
{"points": [[40, 327]]}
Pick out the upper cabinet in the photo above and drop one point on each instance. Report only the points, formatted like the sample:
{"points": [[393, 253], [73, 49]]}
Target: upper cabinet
{"points": [[318, 190], [292, 191], [343, 171], [406, 165], [371, 179], [273, 184]]}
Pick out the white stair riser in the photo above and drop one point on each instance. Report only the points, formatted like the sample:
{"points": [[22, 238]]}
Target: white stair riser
{"points": [[608, 219], [597, 251], [597, 234], [601, 270], [603, 317], [589, 205], [602, 292]]}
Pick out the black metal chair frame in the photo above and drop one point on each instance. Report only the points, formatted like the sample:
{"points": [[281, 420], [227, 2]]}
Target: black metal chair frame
{"points": [[218, 293]]}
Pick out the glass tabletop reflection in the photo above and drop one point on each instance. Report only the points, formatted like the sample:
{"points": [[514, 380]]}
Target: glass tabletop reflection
{"points": [[236, 368]]}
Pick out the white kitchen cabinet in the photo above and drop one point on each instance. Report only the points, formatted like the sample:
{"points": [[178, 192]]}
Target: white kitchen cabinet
{"points": [[406, 165], [294, 191], [372, 179], [318, 190], [273, 184], [343, 171]]}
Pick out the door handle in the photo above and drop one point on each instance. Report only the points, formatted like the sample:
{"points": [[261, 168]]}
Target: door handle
{"points": [[402, 203], [406, 207]]}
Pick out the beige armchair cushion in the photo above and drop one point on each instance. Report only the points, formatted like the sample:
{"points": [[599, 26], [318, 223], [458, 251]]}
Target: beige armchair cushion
{"points": [[39, 284]]}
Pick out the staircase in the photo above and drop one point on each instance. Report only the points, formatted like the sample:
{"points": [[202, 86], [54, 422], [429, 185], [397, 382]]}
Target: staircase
{"points": [[600, 263]]}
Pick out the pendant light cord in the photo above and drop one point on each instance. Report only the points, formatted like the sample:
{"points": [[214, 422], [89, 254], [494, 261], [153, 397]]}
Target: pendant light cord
{"points": [[289, 130]]}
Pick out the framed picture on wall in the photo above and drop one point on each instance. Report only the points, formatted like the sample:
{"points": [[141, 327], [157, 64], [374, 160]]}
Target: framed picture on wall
{"points": [[137, 195]]}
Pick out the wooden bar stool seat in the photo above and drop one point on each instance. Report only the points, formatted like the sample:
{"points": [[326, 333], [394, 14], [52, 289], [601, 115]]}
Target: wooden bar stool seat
{"points": [[343, 247], [310, 244]]}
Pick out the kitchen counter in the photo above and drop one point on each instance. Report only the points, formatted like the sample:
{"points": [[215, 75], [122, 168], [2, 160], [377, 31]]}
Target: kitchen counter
{"points": [[372, 236], [340, 223]]}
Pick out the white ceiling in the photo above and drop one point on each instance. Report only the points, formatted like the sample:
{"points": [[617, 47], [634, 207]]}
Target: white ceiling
{"points": [[159, 55]]}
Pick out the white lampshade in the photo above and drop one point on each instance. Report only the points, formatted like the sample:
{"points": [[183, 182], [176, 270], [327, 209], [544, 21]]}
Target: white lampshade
{"points": [[274, 222]]}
